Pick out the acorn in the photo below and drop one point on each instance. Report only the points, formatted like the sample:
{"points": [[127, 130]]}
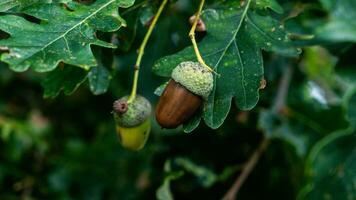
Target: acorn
{"points": [[190, 84], [133, 122]]}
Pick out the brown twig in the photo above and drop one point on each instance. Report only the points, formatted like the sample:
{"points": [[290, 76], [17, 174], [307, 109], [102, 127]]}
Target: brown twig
{"points": [[277, 107], [249, 166], [281, 97]]}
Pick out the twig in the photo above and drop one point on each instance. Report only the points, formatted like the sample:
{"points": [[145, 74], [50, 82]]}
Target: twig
{"points": [[249, 166], [279, 104], [142, 49], [283, 88]]}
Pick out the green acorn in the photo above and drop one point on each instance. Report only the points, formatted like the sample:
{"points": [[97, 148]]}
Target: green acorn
{"points": [[190, 84], [133, 122]]}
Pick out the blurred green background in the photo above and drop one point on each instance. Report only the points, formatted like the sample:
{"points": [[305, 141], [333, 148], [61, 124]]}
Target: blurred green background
{"points": [[67, 148]]}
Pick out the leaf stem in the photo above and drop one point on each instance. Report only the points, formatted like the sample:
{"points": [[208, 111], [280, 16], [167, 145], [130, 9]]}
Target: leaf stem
{"points": [[142, 49], [192, 37], [284, 84]]}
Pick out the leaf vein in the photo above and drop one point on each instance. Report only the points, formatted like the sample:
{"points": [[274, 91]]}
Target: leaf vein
{"points": [[78, 24], [259, 29], [242, 73]]}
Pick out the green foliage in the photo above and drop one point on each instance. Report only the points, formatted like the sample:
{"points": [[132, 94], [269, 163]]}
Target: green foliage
{"points": [[14, 5], [8, 4], [66, 147], [69, 78], [163, 192], [272, 4], [206, 177], [351, 107], [42, 46], [341, 26], [332, 164], [99, 79], [232, 47], [66, 78]]}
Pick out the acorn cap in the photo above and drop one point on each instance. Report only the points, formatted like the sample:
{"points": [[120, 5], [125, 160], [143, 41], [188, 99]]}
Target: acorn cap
{"points": [[136, 112], [194, 77]]}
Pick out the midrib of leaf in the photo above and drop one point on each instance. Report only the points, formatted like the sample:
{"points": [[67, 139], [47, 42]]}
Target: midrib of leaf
{"points": [[242, 73], [76, 25], [233, 39], [235, 33]]}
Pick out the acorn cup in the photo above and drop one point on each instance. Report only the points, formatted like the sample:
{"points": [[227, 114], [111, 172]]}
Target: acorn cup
{"points": [[133, 122], [190, 85]]}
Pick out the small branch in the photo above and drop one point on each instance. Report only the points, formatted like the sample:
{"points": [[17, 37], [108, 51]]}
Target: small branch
{"points": [[280, 103], [281, 98], [142, 49], [247, 169]]}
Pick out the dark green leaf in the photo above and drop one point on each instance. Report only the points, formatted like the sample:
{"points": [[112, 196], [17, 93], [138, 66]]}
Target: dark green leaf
{"points": [[193, 123], [43, 46], [232, 47], [332, 165], [8, 4], [160, 89], [272, 4], [205, 176], [306, 118], [350, 104], [341, 25], [99, 79], [67, 78], [146, 15], [164, 191], [277, 127]]}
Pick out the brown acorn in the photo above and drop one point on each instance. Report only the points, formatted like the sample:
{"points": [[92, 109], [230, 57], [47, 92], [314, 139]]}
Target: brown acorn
{"points": [[190, 85]]}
